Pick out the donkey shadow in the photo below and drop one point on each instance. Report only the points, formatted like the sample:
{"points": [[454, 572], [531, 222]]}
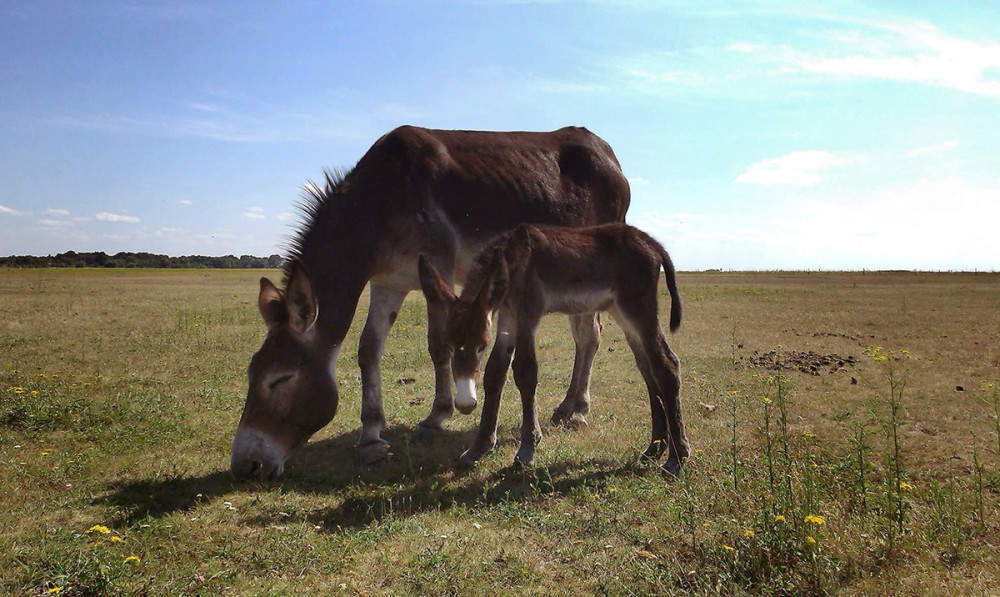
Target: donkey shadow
{"points": [[417, 477]]}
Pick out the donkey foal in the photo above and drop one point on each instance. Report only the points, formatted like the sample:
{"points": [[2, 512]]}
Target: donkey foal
{"points": [[535, 270]]}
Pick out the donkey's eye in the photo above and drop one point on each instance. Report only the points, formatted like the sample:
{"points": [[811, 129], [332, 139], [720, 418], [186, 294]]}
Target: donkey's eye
{"points": [[277, 382]]}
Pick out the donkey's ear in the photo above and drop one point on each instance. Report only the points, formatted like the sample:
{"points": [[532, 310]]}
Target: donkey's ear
{"points": [[270, 303], [300, 299], [436, 291], [517, 249]]}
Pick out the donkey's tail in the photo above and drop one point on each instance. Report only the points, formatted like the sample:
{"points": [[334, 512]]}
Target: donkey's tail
{"points": [[675, 297]]}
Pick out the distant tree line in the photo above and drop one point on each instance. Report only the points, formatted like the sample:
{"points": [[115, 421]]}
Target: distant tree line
{"points": [[144, 260]]}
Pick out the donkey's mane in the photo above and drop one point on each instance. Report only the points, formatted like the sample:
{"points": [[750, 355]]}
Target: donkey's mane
{"points": [[314, 201]]}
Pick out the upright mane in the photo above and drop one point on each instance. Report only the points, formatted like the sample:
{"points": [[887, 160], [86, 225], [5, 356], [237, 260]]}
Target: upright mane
{"points": [[313, 201]]}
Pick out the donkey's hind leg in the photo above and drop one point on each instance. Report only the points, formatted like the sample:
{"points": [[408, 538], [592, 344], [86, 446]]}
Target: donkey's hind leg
{"points": [[575, 407]]}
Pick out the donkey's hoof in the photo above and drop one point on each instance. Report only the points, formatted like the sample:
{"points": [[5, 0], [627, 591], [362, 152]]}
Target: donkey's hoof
{"points": [[426, 433], [577, 422], [467, 460], [559, 417], [373, 452]]}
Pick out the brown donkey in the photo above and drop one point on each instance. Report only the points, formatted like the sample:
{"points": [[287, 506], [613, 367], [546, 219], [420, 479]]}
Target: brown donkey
{"points": [[536, 270], [442, 193]]}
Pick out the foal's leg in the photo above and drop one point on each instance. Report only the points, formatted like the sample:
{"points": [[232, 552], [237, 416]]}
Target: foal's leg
{"points": [[666, 370], [526, 379], [385, 303], [640, 309], [574, 408], [659, 436], [494, 378]]}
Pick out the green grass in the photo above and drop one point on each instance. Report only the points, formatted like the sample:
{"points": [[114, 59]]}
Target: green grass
{"points": [[120, 391]]}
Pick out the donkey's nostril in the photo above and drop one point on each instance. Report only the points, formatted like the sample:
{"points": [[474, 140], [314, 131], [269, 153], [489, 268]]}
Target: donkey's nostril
{"points": [[254, 467]]}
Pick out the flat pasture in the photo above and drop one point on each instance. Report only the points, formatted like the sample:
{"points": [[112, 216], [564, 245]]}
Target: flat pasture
{"points": [[844, 428]]}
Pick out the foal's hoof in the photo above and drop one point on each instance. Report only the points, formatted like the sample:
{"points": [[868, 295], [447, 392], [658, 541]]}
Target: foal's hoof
{"points": [[373, 452], [672, 467]]}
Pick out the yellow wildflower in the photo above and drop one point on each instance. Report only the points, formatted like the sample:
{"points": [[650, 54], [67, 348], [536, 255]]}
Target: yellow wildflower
{"points": [[54, 590], [99, 529], [766, 400], [780, 518], [748, 533], [132, 559], [810, 539], [816, 520], [728, 547], [904, 486], [115, 539]]}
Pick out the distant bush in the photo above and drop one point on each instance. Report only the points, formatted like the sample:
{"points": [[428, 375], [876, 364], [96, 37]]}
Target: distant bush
{"points": [[142, 260]]}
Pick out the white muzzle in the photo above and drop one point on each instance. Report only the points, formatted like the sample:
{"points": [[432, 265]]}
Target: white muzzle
{"points": [[465, 395]]}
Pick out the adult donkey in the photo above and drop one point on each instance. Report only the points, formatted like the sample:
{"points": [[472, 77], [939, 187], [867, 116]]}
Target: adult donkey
{"points": [[441, 193]]}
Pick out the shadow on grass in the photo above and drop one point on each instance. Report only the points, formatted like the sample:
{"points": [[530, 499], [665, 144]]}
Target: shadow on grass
{"points": [[417, 477]]}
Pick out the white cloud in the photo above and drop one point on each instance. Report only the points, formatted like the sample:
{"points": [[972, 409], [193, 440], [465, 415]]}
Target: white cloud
{"points": [[884, 228], [916, 52], [637, 181], [48, 222], [11, 211], [943, 146], [59, 213], [796, 168], [169, 232], [185, 202], [252, 215], [285, 217], [109, 217]]}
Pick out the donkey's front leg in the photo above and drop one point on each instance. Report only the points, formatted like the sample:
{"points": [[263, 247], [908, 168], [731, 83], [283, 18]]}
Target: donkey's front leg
{"points": [[575, 407], [382, 314], [526, 379], [441, 352], [493, 381]]}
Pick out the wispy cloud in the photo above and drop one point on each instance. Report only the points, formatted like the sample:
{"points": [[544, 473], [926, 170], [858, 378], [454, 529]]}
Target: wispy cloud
{"points": [[11, 211], [254, 213], [914, 52], [185, 202], [795, 168], [943, 146], [110, 217], [58, 213]]}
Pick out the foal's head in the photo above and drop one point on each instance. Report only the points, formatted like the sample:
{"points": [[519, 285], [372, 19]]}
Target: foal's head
{"points": [[469, 317]]}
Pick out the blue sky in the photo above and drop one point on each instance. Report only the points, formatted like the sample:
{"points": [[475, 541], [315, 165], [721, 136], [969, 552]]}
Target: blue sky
{"points": [[755, 134]]}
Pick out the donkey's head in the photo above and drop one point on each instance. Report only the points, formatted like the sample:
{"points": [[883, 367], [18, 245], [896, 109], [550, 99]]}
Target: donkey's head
{"points": [[469, 317], [291, 392]]}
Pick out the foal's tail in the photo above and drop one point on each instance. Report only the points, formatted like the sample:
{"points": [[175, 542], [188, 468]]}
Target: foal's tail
{"points": [[675, 297]]}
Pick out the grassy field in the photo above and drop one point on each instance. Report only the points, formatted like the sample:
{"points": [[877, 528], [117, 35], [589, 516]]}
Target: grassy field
{"points": [[822, 463]]}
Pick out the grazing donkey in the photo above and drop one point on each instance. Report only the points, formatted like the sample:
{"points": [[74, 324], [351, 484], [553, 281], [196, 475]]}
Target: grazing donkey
{"points": [[442, 193], [536, 270]]}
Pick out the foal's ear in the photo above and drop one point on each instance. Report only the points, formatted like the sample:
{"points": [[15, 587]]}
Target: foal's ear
{"points": [[270, 303], [300, 299], [436, 291], [517, 249], [495, 289]]}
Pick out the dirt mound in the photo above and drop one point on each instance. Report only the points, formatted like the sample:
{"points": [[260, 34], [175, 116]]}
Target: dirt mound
{"points": [[806, 362]]}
